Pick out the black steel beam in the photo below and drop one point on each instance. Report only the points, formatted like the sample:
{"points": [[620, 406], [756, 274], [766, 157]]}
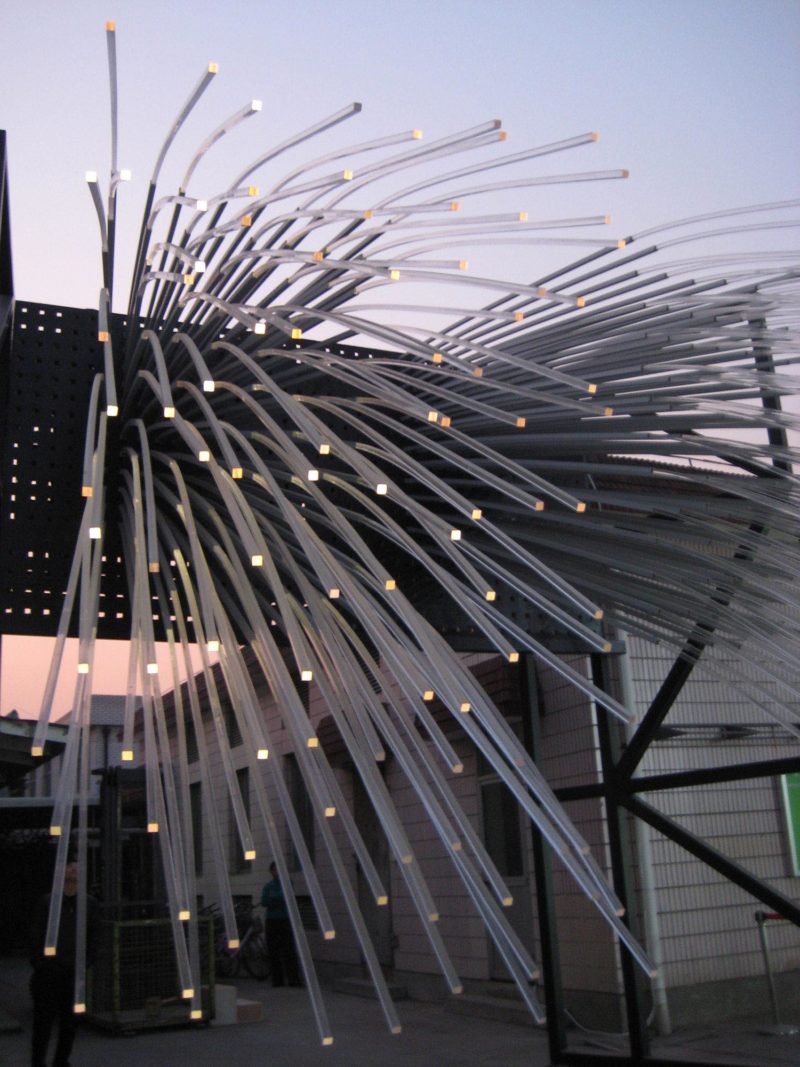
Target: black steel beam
{"points": [[731, 870], [713, 775]]}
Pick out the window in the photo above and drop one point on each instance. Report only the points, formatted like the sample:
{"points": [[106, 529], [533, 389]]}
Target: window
{"points": [[196, 807], [192, 754], [301, 802], [238, 863]]}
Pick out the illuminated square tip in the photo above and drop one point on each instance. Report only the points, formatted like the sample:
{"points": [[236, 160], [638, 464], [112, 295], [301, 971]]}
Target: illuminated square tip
{"points": [[463, 264], [394, 274], [213, 68], [95, 533], [580, 302], [212, 645], [297, 333], [381, 488], [169, 412], [152, 668], [152, 828], [37, 750], [187, 994], [195, 1013], [256, 561], [250, 854], [111, 26], [513, 657], [329, 935], [334, 594], [318, 257], [390, 584], [417, 135], [153, 567], [464, 707], [313, 475], [458, 768], [260, 328], [313, 742], [478, 372], [327, 1041], [255, 105], [347, 175], [306, 675], [103, 335], [79, 1008], [252, 190], [237, 473], [91, 176], [125, 175], [507, 902], [127, 755], [518, 316], [520, 423], [437, 357], [581, 507], [433, 416], [55, 831], [83, 668], [491, 595], [382, 901], [246, 220], [201, 205], [455, 535], [263, 753], [204, 455], [476, 514], [86, 490], [428, 695], [184, 915], [330, 812], [112, 411], [445, 422], [324, 449], [208, 385]]}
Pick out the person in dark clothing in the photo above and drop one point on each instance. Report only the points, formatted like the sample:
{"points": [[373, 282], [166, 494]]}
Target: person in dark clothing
{"points": [[280, 939], [52, 984]]}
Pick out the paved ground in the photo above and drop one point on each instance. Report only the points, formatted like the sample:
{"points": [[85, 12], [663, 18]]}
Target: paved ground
{"points": [[431, 1037]]}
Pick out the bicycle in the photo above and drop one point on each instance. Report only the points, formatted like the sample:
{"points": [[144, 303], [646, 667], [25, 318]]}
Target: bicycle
{"points": [[252, 951]]}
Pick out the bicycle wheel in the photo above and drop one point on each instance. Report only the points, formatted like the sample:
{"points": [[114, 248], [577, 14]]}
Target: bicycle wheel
{"points": [[254, 955], [226, 961]]}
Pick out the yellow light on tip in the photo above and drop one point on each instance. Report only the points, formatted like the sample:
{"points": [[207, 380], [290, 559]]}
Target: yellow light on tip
{"points": [[153, 567], [334, 594], [329, 935], [208, 386], [368, 214], [188, 279], [260, 328], [330, 812], [445, 421], [55, 831], [263, 753], [608, 411], [491, 595], [580, 302], [394, 275], [213, 68], [79, 1008], [463, 264], [465, 707], [503, 135], [306, 675], [152, 828], [580, 506], [169, 413], [520, 423], [433, 416], [347, 175], [313, 742], [507, 902], [539, 506], [382, 901], [455, 535], [233, 942], [428, 696], [297, 333], [204, 455], [381, 488], [327, 1041], [318, 257], [476, 514], [212, 645], [255, 105], [324, 450], [478, 372], [313, 475], [195, 1013], [246, 220], [541, 291], [457, 768], [390, 584], [607, 220], [95, 533], [184, 915], [599, 613], [522, 216], [86, 490], [49, 950], [513, 657], [103, 335], [595, 136], [454, 205], [621, 242], [127, 755], [152, 668], [111, 27], [252, 190], [187, 994], [37, 750], [237, 473], [437, 357], [417, 135], [518, 316], [250, 854], [83, 668], [256, 561]]}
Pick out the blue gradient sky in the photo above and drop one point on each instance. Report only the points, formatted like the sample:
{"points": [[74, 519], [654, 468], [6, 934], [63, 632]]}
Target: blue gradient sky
{"points": [[699, 99]]}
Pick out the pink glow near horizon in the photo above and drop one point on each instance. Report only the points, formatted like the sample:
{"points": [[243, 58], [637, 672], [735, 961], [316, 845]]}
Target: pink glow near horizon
{"points": [[26, 662]]}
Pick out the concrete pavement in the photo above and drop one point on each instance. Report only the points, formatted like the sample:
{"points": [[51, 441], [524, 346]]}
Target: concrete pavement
{"points": [[286, 1036]]}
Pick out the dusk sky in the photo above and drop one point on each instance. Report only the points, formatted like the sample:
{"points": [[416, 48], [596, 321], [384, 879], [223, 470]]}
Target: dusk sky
{"points": [[698, 99]]}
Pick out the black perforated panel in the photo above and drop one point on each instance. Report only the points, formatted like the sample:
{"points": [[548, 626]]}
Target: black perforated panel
{"points": [[54, 356]]}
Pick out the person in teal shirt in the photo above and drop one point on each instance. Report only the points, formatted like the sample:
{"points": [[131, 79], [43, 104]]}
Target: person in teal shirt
{"points": [[280, 939]]}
